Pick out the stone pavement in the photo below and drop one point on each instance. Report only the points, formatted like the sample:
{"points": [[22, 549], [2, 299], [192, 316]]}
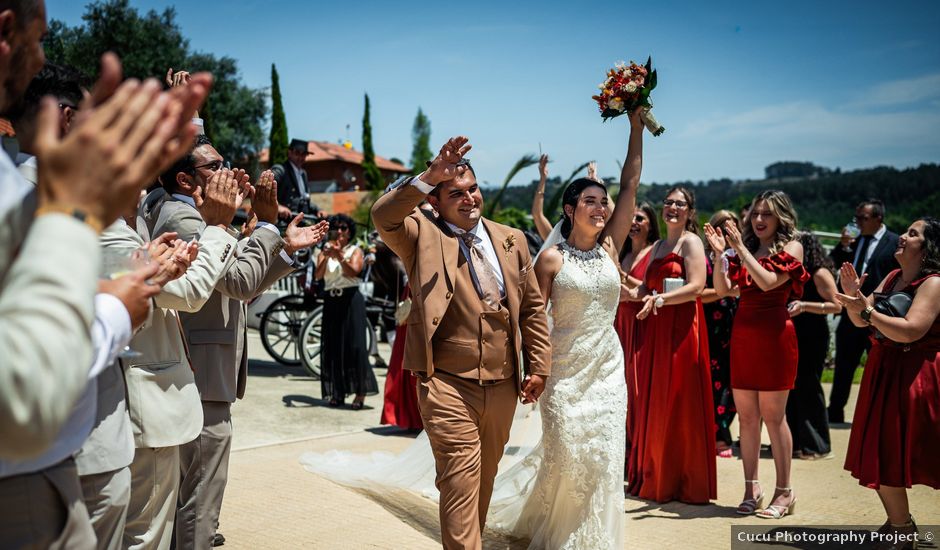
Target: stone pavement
{"points": [[272, 502]]}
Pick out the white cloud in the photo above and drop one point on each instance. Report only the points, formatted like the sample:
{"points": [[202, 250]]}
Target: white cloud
{"points": [[901, 92]]}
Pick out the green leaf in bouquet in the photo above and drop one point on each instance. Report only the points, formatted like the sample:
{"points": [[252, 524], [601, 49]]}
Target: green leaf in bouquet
{"points": [[652, 81], [610, 113], [649, 64]]}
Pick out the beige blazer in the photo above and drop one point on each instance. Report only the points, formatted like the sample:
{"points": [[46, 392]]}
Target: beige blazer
{"points": [[430, 255], [217, 333], [48, 280], [163, 400]]}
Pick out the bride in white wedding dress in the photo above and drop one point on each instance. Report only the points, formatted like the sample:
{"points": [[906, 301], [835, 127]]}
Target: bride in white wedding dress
{"points": [[561, 486]]}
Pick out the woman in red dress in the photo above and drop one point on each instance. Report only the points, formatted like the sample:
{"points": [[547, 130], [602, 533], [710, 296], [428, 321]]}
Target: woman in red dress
{"points": [[673, 451], [643, 233], [400, 407], [895, 439], [767, 270]]}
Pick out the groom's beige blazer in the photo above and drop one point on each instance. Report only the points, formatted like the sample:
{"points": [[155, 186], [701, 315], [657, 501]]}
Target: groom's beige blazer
{"points": [[430, 254]]}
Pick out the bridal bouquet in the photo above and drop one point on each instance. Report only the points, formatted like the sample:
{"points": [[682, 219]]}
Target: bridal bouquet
{"points": [[628, 88]]}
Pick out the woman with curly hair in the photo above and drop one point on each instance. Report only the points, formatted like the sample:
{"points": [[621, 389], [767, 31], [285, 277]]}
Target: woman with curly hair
{"points": [[806, 406], [895, 437], [345, 359], [767, 269]]}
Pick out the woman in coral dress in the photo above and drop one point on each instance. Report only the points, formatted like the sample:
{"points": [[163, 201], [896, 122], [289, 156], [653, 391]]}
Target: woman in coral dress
{"points": [[767, 270], [643, 233], [895, 439], [673, 451]]}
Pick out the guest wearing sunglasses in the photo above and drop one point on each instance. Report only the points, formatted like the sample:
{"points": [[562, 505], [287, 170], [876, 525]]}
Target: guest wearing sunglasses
{"points": [[345, 359]]}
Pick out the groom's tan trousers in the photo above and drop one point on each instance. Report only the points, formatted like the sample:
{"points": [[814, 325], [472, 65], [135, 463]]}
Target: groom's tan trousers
{"points": [[468, 425]]}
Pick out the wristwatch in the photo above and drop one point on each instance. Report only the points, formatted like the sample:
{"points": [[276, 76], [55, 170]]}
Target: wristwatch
{"points": [[866, 314]]}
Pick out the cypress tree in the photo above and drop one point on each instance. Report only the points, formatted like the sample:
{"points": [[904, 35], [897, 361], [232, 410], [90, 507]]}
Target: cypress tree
{"points": [[278, 148], [373, 176], [421, 137]]}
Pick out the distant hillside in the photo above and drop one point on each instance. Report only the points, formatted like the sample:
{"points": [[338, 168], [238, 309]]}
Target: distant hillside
{"points": [[824, 201]]}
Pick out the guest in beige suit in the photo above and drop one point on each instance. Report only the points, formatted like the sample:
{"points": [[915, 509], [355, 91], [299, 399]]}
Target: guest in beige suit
{"points": [[216, 333], [476, 313]]}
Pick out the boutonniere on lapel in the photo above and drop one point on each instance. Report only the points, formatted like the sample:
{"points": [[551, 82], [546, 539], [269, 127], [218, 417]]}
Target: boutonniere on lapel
{"points": [[509, 243]]}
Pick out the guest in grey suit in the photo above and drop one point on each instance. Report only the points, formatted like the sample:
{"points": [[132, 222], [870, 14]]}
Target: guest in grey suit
{"points": [[216, 334]]}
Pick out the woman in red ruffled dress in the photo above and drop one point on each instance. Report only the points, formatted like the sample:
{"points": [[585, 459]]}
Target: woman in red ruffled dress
{"points": [[895, 439], [400, 407], [673, 451], [767, 269], [643, 233]]}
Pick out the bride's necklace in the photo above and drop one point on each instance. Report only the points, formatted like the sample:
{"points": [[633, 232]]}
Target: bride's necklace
{"points": [[581, 256]]}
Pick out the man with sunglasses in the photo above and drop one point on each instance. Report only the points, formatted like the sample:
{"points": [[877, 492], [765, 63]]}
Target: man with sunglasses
{"points": [[872, 254], [217, 333]]}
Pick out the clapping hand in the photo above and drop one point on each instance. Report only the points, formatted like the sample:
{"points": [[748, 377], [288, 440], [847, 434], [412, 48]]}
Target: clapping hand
{"points": [[179, 78], [532, 388], [849, 279], [444, 166], [716, 240], [855, 304], [733, 237], [220, 198], [264, 200], [173, 258], [250, 223], [296, 237]]}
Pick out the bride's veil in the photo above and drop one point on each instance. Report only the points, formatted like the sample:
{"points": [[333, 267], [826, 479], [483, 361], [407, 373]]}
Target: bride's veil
{"points": [[551, 240]]}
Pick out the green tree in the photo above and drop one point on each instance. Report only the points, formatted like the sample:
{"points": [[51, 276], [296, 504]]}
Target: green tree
{"points": [[373, 176], [277, 150], [421, 137], [150, 43]]}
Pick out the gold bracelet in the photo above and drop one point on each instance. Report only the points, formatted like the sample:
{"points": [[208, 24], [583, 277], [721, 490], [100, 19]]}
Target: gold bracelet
{"points": [[91, 221]]}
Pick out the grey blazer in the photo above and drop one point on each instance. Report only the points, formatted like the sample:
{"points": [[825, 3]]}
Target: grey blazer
{"points": [[163, 401], [217, 333]]}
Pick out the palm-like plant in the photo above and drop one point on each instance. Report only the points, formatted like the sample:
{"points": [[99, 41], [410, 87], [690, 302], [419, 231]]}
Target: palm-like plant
{"points": [[554, 204], [524, 162]]}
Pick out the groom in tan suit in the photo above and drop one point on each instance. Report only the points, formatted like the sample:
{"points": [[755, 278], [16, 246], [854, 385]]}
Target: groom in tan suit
{"points": [[477, 312]]}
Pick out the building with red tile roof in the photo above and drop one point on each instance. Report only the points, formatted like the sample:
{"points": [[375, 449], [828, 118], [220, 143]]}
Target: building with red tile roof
{"points": [[333, 167]]}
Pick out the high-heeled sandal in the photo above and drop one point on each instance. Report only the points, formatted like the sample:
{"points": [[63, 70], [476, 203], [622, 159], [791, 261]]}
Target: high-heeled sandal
{"points": [[357, 403], [777, 511], [750, 505], [906, 529]]}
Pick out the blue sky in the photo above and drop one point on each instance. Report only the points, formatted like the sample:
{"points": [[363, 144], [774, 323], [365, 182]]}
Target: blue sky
{"points": [[741, 84]]}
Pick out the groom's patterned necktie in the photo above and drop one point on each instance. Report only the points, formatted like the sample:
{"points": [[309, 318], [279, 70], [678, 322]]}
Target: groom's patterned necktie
{"points": [[489, 287]]}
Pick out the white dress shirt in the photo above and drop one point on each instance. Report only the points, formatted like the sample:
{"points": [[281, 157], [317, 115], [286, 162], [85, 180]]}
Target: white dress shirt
{"points": [[299, 175], [875, 239]]}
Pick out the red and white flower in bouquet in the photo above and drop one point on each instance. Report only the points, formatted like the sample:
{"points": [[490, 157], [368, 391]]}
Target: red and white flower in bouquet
{"points": [[626, 89]]}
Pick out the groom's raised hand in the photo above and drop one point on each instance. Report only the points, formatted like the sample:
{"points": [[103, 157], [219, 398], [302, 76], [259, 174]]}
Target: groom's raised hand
{"points": [[532, 388], [444, 167]]}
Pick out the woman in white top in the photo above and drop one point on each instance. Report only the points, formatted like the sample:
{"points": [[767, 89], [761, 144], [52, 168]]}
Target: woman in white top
{"points": [[345, 366]]}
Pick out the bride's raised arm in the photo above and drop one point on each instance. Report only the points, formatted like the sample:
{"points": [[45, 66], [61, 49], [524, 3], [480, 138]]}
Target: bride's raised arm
{"points": [[618, 226]]}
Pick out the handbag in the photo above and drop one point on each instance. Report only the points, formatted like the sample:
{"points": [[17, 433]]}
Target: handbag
{"points": [[895, 304]]}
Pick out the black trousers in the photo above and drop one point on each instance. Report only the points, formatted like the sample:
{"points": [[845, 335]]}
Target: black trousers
{"points": [[851, 342]]}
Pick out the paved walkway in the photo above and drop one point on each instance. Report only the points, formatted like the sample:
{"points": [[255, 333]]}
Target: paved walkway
{"points": [[272, 502]]}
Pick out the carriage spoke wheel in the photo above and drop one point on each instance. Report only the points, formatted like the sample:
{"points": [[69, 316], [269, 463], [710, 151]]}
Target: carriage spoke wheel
{"points": [[281, 324]]}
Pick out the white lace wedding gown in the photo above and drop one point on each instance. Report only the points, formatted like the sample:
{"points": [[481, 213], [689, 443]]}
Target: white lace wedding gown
{"points": [[568, 492], [562, 477]]}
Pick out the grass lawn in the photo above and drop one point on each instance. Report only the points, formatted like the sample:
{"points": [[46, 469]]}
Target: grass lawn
{"points": [[828, 373]]}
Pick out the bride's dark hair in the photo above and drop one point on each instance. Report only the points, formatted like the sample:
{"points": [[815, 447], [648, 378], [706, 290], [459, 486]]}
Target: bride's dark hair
{"points": [[571, 195]]}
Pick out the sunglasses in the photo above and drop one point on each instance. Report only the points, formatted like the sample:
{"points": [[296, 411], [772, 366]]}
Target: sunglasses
{"points": [[213, 166], [679, 204]]}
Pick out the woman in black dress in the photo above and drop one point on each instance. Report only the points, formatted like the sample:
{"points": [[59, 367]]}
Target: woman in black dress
{"points": [[345, 359], [806, 405], [719, 316]]}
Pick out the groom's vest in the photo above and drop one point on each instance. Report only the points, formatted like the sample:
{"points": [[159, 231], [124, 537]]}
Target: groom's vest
{"points": [[480, 350]]}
